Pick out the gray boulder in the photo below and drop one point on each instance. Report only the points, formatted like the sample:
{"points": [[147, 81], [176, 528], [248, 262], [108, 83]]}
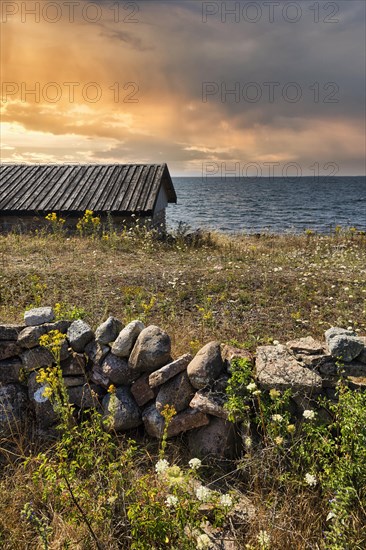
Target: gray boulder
{"points": [[306, 346], [141, 390], [276, 368], [343, 344], [210, 403], [123, 344], [74, 365], [336, 331], [38, 316], [86, 396], [10, 370], [120, 411], [362, 356], [187, 420], [10, 331], [42, 406], [38, 357], [108, 331], [153, 421], [118, 371], [9, 349], [79, 334], [177, 392], [151, 350], [167, 372], [182, 422], [218, 439], [13, 407], [96, 352], [99, 377], [29, 336], [206, 366], [72, 381]]}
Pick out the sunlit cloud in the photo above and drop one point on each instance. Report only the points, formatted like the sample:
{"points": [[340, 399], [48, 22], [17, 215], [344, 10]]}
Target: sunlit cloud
{"points": [[133, 92]]}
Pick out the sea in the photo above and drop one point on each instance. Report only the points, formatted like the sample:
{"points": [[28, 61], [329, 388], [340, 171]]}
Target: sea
{"points": [[276, 205]]}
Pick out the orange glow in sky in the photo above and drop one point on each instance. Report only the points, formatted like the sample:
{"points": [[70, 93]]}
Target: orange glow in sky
{"points": [[183, 82]]}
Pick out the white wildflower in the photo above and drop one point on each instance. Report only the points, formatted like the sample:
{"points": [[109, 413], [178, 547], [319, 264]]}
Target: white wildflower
{"points": [[171, 501], [257, 392], [203, 493], [226, 500], [311, 480], [248, 442], [194, 463], [161, 466], [203, 541], [252, 386], [263, 538], [308, 414], [277, 417]]}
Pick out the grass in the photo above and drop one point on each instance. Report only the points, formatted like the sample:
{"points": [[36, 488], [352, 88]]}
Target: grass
{"points": [[247, 290]]}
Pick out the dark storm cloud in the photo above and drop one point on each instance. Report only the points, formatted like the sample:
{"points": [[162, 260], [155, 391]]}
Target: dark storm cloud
{"points": [[170, 53]]}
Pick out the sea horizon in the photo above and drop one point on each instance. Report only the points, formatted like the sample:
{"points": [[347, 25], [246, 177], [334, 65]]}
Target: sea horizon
{"points": [[269, 204]]}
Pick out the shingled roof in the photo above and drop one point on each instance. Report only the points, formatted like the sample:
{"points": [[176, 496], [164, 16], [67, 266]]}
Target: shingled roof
{"points": [[114, 188]]}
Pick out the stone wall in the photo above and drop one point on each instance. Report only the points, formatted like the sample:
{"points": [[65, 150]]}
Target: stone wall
{"points": [[128, 373]]}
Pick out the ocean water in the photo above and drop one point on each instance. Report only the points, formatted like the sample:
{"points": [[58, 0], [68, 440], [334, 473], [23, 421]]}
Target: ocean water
{"points": [[278, 205]]}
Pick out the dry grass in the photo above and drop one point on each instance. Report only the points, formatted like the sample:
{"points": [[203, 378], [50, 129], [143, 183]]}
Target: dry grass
{"points": [[246, 289]]}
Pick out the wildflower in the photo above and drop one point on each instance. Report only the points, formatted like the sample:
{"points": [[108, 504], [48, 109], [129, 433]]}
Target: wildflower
{"points": [[311, 480], [174, 474], [291, 429], [257, 392], [112, 389], [226, 500], [161, 466], [194, 463], [252, 386], [308, 414], [277, 418], [278, 440], [263, 538], [203, 541], [171, 501], [248, 442], [274, 394], [47, 392], [203, 493]]}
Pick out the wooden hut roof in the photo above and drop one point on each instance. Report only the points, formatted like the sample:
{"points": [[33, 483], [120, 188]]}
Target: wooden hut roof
{"points": [[114, 188]]}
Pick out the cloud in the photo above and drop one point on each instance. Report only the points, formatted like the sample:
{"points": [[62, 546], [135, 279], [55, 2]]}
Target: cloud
{"points": [[163, 62]]}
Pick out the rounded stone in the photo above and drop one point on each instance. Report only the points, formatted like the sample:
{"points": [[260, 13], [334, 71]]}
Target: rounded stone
{"points": [[79, 334], [126, 339], [121, 411], [206, 366], [108, 331], [151, 350]]}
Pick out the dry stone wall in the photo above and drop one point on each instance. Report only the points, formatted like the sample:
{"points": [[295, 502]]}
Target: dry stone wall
{"points": [[128, 373]]}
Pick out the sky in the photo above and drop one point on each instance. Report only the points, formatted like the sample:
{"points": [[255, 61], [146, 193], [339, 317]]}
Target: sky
{"points": [[213, 88]]}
